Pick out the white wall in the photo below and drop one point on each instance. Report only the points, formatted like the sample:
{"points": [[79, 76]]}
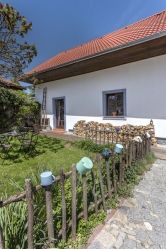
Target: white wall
{"points": [[145, 86]]}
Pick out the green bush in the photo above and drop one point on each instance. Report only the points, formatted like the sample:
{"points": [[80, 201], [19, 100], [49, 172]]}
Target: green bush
{"points": [[90, 146], [29, 112], [15, 107], [10, 103]]}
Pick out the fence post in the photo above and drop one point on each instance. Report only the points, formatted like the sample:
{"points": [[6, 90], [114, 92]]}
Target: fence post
{"points": [[133, 151], [108, 177], [120, 170], [137, 150], [2, 245], [130, 153], [144, 139], [96, 134], [50, 224], [29, 199], [108, 137], [127, 154], [149, 144], [63, 206], [101, 183], [104, 135], [142, 149], [145, 151], [123, 168], [74, 201], [140, 145], [93, 134], [86, 134], [114, 174], [94, 191], [85, 201], [100, 136]]}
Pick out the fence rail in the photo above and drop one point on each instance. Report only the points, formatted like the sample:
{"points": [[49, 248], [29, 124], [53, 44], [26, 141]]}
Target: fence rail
{"points": [[103, 180]]}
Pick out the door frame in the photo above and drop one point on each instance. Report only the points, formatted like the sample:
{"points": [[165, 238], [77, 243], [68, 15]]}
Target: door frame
{"points": [[54, 110]]}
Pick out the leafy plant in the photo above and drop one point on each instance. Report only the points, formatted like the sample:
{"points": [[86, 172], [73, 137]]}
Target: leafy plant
{"points": [[13, 221]]}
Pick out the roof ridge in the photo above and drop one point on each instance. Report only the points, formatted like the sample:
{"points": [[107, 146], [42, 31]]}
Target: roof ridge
{"points": [[134, 23]]}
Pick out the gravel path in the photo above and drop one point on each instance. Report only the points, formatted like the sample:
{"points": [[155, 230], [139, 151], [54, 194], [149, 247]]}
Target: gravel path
{"points": [[141, 221]]}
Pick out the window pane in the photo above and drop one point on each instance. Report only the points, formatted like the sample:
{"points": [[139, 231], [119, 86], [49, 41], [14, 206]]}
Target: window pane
{"points": [[114, 104]]}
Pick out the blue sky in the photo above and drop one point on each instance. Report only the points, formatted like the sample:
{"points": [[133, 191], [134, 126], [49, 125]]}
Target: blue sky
{"points": [[61, 24]]}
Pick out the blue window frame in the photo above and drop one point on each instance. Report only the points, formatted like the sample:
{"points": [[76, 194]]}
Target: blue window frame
{"points": [[114, 103]]}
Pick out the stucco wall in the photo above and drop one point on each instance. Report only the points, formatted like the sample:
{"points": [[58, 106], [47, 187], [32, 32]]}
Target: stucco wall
{"points": [[145, 86]]}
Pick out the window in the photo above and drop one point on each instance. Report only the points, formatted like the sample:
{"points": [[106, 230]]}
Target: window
{"points": [[115, 103]]}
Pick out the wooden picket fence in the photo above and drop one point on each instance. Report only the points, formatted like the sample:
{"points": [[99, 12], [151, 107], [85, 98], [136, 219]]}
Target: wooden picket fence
{"points": [[108, 136], [108, 183]]}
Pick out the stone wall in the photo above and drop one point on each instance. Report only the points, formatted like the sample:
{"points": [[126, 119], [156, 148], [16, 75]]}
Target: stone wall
{"points": [[99, 131]]}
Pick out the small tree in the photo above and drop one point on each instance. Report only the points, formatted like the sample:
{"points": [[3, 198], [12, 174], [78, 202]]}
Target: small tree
{"points": [[15, 52]]}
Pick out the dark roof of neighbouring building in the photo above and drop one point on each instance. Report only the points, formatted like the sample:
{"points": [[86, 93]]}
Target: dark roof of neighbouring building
{"points": [[9, 84]]}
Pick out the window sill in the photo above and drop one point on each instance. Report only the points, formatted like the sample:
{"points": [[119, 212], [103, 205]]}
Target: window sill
{"points": [[114, 118]]}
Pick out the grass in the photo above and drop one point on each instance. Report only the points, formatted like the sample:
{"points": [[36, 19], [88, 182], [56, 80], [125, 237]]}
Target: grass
{"points": [[52, 154]]}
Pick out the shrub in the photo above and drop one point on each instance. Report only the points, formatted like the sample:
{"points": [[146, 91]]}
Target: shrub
{"points": [[29, 112], [91, 146], [15, 107]]}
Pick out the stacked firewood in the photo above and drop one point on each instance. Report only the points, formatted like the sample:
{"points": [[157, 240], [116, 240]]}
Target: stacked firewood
{"points": [[99, 131]]}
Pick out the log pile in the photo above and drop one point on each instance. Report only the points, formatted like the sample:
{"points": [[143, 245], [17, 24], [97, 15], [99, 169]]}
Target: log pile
{"points": [[100, 131]]}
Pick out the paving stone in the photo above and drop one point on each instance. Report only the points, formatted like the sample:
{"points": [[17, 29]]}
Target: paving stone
{"points": [[141, 235], [96, 245], [148, 226], [119, 240], [129, 244]]}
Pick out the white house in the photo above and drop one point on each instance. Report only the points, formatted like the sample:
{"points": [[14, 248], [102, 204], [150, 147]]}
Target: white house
{"points": [[118, 78]]}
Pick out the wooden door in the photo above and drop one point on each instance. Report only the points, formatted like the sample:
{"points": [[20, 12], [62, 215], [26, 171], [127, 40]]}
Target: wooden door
{"points": [[59, 107]]}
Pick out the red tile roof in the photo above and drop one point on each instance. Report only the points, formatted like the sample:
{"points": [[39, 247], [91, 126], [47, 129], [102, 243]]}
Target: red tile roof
{"points": [[132, 33]]}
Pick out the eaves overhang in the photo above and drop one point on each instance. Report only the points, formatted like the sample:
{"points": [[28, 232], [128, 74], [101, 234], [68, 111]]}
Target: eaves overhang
{"points": [[148, 47]]}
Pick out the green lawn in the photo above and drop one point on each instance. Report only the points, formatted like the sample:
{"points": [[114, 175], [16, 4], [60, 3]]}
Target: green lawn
{"points": [[52, 154]]}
